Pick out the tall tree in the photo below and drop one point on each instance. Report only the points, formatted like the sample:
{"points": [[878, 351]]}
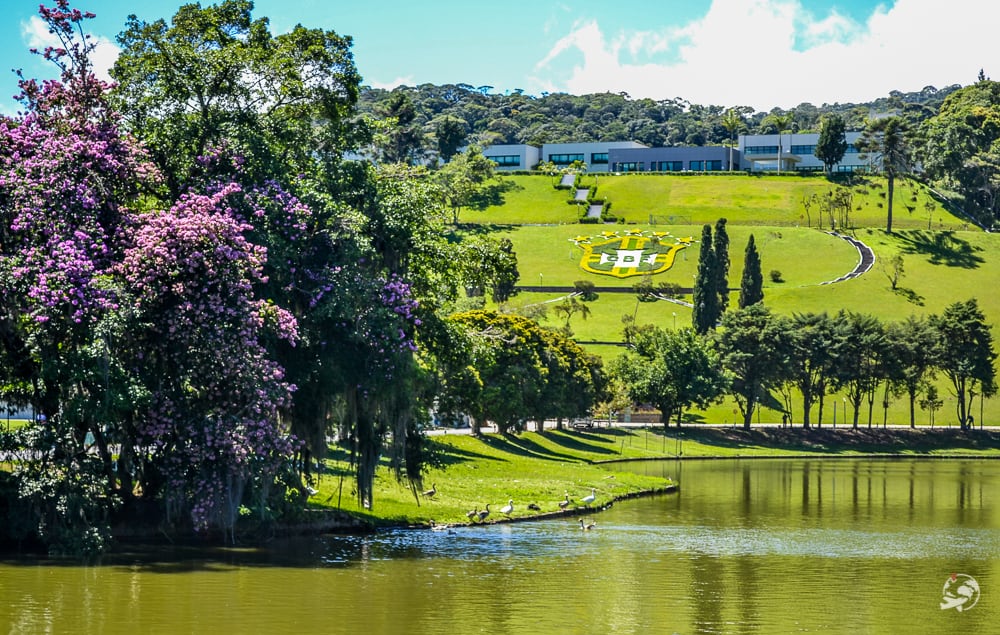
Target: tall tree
{"points": [[450, 133], [752, 282], [732, 120], [216, 77], [672, 370], [782, 123], [754, 348], [910, 356], [403, 138], [886, 140], [857, 371], [813, 358], [965, 354], [705, 298], [832, 143], [720, 244]]}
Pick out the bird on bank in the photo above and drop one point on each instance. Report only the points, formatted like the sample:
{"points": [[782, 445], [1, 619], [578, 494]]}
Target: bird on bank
{"points": [[563, 504], [431, 492], [483, 514], [533, 507], [471, 514], [587, 500], [508, 508], [587, 526]]}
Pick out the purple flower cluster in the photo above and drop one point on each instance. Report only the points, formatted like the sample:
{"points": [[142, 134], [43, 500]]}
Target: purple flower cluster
{"points": [[214, 416]]}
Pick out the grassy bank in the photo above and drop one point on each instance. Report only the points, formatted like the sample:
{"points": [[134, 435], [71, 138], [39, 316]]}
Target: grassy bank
{"points": [[540, 468]]}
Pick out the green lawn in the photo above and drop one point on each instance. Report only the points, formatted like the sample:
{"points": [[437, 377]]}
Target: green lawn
{"points": [[752, 200]]}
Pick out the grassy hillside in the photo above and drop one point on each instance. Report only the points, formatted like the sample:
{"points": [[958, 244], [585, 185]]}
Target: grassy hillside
{"points": [[699, 199], [947, 263]]}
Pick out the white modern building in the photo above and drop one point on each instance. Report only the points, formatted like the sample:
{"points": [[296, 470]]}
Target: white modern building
{"points": [[514, 157], [594, 155], [794, 152]]}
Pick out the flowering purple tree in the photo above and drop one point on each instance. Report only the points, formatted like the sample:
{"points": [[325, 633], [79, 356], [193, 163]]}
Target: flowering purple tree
{"points": [[196, 341], [141, 330]]}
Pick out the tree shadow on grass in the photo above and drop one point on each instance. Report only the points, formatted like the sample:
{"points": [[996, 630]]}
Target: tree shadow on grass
{"points": [[909, 295], [585, 441], [942, 248], [525, 447]]}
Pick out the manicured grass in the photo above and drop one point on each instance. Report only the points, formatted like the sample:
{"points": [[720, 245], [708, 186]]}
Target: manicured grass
{"points": [[531, 200], [531, 468], [541, 467], [699, 199]]}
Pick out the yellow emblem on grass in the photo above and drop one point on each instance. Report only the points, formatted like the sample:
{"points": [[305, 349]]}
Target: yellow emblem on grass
{"points": [[634, 254]]}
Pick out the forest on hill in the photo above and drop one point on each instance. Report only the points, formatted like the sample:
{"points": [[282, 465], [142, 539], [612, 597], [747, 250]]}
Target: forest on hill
{"points": [[945, 137]]}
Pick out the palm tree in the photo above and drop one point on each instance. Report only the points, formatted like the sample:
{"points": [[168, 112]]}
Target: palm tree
{"points": [[783, 122], [886, 140], [732, 120]]}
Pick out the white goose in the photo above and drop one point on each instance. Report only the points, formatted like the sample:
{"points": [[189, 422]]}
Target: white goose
{"points": [[587, 500], [508, 508]]}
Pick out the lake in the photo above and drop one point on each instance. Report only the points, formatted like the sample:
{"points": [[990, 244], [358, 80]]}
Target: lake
{"points": [[746, 546]]}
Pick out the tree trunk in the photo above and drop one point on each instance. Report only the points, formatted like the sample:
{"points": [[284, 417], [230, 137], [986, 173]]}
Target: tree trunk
{"points": [[888, 222]]}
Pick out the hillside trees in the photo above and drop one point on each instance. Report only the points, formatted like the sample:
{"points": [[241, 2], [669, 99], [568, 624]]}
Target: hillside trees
{"points": [[672, 370], [754, 350], [706, 309], [832, 143], [752, 280], [959, 147], [886, 139], [965, 354]]}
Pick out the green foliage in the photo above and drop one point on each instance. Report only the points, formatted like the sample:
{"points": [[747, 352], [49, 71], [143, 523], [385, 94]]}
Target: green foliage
{"points": [[754, 348], [752, 281], [672, 370], [832, 143], [965, 354], [707, 309]]}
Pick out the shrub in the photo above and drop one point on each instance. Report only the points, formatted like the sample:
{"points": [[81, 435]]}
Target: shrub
{"points": [[776, 276]]}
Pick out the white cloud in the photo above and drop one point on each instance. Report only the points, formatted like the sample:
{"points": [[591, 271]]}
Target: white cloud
{"points": [[767, 53], [35, 34], [399, 81]]}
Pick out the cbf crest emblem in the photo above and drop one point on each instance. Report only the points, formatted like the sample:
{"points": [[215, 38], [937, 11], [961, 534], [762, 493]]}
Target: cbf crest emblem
{"points": [[631, 252]]}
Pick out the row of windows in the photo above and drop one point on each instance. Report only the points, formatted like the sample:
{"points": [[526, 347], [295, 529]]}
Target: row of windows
{"points": [[599, 158], [565, 159], [760, 150], [803, 149], [512, 160], [667, 166]]}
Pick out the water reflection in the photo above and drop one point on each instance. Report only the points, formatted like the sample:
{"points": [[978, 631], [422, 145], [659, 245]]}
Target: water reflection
{"points": [[745, 547]]}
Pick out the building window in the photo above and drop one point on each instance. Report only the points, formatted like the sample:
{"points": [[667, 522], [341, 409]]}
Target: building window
{"points": [[851, 149], [669, 166], [713, 166], [629, 166], [695, 166], [565, 159], [803, 149], [760, 150], [508, 161], [599, 158]]}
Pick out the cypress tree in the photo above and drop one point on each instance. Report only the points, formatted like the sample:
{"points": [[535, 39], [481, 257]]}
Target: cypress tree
{"points": [[752, 283], [721, 246], [705, 297]]}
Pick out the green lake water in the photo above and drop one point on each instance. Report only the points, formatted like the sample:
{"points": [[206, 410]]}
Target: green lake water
{"points": [[762, 546]]}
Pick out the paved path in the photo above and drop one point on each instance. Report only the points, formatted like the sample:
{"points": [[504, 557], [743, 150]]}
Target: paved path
{"points": [[567, 180], [866, 258]]}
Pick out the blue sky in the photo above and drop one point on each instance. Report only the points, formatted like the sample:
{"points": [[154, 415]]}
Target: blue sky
{"points": [[762, 53]]}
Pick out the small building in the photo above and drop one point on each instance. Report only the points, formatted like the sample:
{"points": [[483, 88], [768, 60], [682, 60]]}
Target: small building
{"points": [[674, 159], [595, 155], [795, 152], [513, 157]]}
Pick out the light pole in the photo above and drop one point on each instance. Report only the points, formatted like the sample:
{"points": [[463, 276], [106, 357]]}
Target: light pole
{"points": [[539, 280], [675, 320]]}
